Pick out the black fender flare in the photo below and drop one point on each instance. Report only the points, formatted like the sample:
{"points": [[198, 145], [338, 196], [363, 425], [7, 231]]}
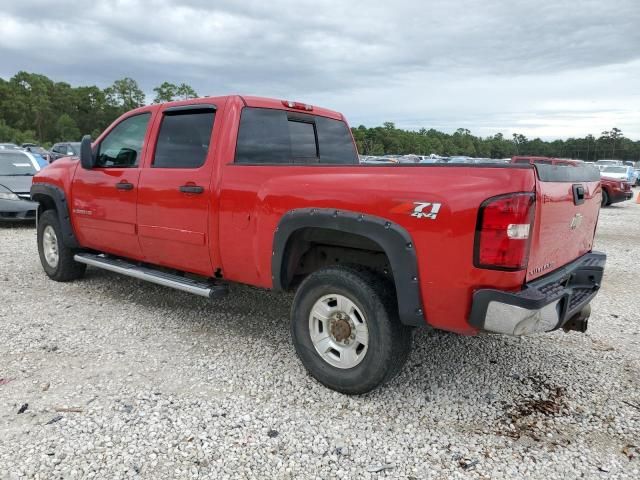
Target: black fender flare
{"points": [[40, 192], [391, 237]]}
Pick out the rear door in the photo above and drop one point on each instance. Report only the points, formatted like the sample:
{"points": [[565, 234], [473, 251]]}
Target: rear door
{"points": [[174, 192], [567, 207]]}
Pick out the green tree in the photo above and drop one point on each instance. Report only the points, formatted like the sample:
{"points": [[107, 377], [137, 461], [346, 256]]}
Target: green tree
{"points": [[612, 137], [125, 93], [66, 129], [185, 92], [166, 92]]}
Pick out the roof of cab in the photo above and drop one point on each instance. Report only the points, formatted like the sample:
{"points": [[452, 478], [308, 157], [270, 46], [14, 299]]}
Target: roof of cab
{"points": [[249, 101]]}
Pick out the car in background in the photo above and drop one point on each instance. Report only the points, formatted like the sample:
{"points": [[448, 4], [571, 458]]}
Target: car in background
{"points": [[637, 172], [65, 149], [461, 159], [523, 159], [614, 191], [42, 162], [619, 172], [375, 160], [9, 146], [606, 163], [36, 150], [17, 169]]}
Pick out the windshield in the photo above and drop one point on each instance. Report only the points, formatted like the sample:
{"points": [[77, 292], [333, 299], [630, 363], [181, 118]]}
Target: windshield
{"points": [[75, 148], [14, 164], [614, 170]]}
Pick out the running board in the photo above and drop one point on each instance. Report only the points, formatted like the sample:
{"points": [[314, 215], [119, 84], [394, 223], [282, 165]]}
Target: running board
{"points": [[204, 289]]}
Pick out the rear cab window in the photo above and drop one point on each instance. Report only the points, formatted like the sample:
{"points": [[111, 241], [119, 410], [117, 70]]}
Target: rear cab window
{"points": [[271, 136]]}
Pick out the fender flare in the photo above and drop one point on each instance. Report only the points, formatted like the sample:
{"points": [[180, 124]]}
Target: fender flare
{"points": [[40, 191], [391, 237]]}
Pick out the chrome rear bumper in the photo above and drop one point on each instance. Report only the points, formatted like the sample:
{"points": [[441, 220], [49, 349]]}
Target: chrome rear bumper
{"points": [[546, 304]]}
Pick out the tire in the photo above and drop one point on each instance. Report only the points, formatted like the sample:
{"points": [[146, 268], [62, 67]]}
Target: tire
{"points": [[605, 198], [65, 269], [372, 304]]}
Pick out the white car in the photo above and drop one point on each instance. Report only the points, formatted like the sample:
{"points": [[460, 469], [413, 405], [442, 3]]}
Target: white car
{"points": [[619, 172], [605, 163]]}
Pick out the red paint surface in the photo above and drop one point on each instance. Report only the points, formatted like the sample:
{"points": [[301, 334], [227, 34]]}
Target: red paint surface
{"points": [[231, 225]]}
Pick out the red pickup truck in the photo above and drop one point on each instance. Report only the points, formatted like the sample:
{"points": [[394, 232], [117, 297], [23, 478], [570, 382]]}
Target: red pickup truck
{"points": [[199, 193]]}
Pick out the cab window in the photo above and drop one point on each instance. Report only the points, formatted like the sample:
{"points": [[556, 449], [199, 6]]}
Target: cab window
{"points": [[183, 140], [271, 136], [122, 147]]}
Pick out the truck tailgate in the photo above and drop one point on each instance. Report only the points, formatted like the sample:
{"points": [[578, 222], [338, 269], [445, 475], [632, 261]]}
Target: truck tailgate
{"points": [[567, 208]]}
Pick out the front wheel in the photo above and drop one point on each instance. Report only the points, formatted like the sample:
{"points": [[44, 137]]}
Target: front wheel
{"points": [[346, 330], [605, 198], [56, 258]]}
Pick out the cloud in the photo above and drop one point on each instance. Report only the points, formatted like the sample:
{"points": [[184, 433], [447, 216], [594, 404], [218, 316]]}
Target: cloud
{"points": [[483, 65]]}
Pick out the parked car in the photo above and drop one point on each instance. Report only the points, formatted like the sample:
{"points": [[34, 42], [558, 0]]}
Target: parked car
{"points": [[605, 163], [637, 172], [16, 172], [522, 159], [461, 159], [9, 146], [374, 160], [614, 191], [621, 172], [64, 149], [42, 163], [282, 202], [37, 150]]}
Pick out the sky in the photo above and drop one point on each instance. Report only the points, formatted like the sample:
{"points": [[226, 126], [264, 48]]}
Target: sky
{"points": [[553, 69]]}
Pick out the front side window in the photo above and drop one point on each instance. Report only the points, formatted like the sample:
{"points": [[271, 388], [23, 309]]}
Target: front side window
{"points": [[270, 136], [183, 141], [122, 147]]}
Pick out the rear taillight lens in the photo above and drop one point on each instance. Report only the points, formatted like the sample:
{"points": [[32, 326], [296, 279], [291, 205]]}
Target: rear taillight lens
{"points": [[505, 224]]}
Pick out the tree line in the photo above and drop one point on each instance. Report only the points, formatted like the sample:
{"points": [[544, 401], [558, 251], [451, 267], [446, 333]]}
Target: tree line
{"points": [[389, 139], [34, 108]]}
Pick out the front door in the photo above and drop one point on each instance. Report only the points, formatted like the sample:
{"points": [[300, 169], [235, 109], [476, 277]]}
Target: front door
{"points": [[103, 200], [174, 192]]}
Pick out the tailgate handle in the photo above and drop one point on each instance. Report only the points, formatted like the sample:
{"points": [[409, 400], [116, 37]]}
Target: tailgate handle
{"points": [[578, 194]]}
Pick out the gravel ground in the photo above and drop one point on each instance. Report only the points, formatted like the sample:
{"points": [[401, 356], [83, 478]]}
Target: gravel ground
{"points": [[112, 378]]}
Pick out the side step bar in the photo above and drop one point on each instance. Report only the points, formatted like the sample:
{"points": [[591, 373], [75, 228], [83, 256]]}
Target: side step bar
{"points": [[204, 289]]}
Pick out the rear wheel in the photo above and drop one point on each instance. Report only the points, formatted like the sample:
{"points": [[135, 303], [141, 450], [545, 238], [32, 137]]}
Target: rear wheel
{"points": [[346, 330], [605, 198], [56, 258]]}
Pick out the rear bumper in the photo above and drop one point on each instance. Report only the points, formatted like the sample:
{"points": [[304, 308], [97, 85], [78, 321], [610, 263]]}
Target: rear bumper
{"points": [[546, 304]]}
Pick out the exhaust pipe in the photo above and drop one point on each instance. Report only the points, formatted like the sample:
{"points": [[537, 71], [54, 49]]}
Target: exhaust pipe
{"points": [[580, 321]]}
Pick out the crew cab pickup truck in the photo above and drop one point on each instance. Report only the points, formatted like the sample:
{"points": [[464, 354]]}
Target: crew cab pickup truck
{"points": [[197, 194]]}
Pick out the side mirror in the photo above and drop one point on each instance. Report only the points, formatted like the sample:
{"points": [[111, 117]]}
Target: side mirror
{"points": [[87, 160]]}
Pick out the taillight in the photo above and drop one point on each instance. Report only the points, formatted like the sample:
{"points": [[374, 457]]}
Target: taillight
{"points": [[505, 224], [297, 105]]}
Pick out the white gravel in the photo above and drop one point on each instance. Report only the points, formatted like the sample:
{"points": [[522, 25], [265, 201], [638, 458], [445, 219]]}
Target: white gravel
{"points": [[126, 379]]}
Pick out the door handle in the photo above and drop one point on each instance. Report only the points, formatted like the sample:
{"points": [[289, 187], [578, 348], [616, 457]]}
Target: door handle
{"points": [[124, 185], [191, 189]]}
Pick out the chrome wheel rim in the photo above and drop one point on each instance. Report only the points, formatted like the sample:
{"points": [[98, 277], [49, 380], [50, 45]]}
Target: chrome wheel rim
{"points": [[50, 246], [339, 331]]}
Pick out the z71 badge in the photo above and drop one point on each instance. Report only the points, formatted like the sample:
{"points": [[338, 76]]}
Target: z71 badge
{"points": [[419, 209]]}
